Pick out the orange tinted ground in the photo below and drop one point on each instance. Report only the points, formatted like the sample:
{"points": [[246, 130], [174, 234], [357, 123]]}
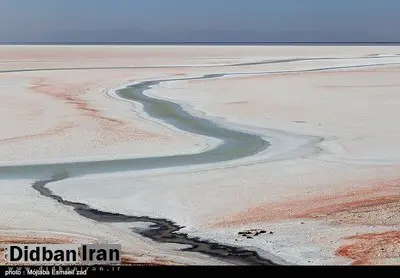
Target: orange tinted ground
{"points": [[126, 259], [71, 94], [319, 206], [373, 248], [49, 132], [376, 205]]}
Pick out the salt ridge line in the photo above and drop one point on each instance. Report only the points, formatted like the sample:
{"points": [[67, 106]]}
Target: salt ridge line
{"points": [[255, 63]]}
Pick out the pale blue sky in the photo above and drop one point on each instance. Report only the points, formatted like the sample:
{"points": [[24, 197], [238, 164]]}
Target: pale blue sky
{"points": [[199, 20]]}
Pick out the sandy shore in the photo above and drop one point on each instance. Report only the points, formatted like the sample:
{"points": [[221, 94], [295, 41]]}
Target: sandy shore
{"points": [[326, 191]]}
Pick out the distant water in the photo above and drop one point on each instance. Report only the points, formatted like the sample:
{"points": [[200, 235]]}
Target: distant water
{"points": [[211, 43]]}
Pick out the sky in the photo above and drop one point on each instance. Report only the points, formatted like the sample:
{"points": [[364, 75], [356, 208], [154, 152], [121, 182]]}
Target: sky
{"points": [[199, 21]]}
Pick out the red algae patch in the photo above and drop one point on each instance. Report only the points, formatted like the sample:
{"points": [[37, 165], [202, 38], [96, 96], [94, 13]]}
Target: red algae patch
{"points": [[318, 206], [386, 214], [52, 131], [70, 94], [372, 248]]}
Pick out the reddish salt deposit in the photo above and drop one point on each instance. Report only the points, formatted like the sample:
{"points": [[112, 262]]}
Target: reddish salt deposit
{"points": [[373, 248], [320, 206]]}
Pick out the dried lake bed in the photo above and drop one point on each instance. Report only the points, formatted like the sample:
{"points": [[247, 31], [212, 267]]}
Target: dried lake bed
{"points": [[204, 155]]}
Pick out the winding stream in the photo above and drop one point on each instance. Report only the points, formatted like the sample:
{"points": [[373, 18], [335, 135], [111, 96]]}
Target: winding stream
{"points": [[235, 145]]}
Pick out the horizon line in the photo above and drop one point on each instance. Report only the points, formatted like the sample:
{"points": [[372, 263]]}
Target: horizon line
{"points": [[206, 43]]}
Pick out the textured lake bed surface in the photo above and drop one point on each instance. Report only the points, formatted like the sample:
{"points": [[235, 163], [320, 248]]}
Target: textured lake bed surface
{"points": [[230, 154]]}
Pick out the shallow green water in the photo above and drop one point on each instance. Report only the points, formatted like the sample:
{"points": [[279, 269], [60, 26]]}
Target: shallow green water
{"points": [[236, 144]]}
